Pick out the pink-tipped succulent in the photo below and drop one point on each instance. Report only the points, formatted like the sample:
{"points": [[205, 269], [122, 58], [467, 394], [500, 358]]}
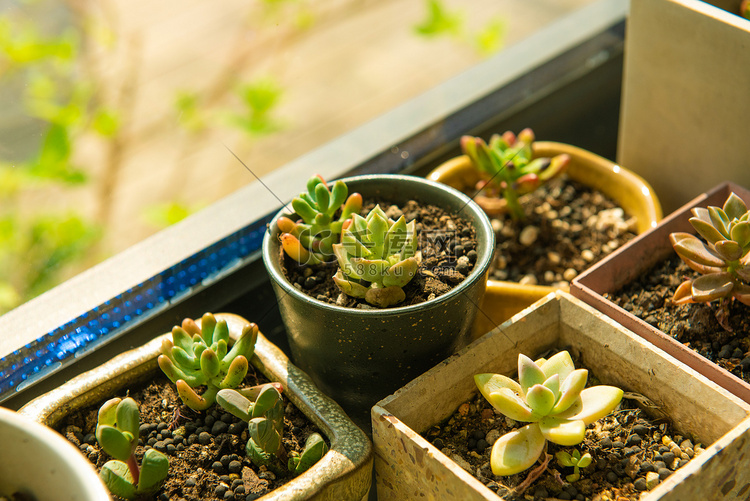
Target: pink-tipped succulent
{"points": [[745, 9], [723, 259], [551, 395], [197, 356], [377, 257], [310, 239], [509, 169]]}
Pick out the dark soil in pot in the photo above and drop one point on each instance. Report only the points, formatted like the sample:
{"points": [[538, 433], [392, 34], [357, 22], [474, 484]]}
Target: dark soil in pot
{"points": [[568, 227], [447, 243], [206, 450], [695, 325], [625, 446]]}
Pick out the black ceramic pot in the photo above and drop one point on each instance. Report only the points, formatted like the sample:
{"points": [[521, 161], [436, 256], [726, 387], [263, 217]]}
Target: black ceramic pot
{"points": [[359, 356]]}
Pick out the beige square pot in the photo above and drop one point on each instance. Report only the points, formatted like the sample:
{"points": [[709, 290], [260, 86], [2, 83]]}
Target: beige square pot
{"points": [[344, 473], [408, 466], [685, 105]]}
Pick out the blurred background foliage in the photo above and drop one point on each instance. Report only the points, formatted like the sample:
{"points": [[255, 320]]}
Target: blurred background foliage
{"points": [[59, 102]]}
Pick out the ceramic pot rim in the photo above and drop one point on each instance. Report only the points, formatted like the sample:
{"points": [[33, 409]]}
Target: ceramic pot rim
{"points": [[481, 222]]}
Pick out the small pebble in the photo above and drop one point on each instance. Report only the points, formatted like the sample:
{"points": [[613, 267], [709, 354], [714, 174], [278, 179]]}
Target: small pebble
{"points": [[218, 428], [235, 467], [570, 274], [492, 436], [652, 480], [529, 279], [633, 439], [528, 235], [664, 473], [640, 484], [204, 438], [554, 258], [217, 467], [640, 430], [190, 482], [611, 477], [587, 255]]}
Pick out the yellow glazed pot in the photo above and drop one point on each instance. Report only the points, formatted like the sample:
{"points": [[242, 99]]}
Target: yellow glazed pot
{"points": [[628, 190]]}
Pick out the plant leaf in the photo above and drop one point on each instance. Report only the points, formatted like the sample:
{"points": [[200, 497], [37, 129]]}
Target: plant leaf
{"points": [[710, 287], [517, 451], [734, 207], [562, 431]]}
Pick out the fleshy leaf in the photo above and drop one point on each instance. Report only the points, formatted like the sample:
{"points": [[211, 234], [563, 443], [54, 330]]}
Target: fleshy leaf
{"points": [[154, 469], [711, 287], [234, 403], [517, 451], [741, 234], [511, 405], [560, 363], [728, 249], [401, 273], [684, 293], [384, 297], [706, 230], [570, 390], [113, 442], [348, 287], [529, 373], [116, 476], [734, 207], [490, 383], [563, 431], [540, 399], [719, 220], [596, 402], [695, 250], [553, 383]]}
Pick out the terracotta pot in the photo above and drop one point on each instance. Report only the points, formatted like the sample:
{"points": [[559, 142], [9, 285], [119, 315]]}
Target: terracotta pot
{"points": [[40, 463], [344, 473], [635, 258], [358, 356], [406, 463], [628, 190]]}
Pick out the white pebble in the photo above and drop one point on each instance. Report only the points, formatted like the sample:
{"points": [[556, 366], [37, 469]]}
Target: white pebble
{"points": [[652, 480], [554, 257], [497, 225], [549, 276], [570, 274], [528, 235], [587, 255], [492, 436], [528, 280]]}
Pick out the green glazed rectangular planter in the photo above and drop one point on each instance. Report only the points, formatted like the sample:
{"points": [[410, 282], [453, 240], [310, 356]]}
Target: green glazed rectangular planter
{"points": [[344, 473], [409, 467]]}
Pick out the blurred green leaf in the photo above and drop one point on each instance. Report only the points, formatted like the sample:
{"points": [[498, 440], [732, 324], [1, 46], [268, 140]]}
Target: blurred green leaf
{"points": [[53, 162], [259, 98], [167, 214], [439, 20], [189, 113], [21, 44], [491, 38], [106, 122]]}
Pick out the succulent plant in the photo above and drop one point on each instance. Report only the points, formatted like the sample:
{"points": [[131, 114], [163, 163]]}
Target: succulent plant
{"points": [[262, 408], [510, 170], [377, 257], [310, 240], [117, 430], [551, 395], [574, 459], [201, 356], [315, 449], [722, 260], [745, 9]]}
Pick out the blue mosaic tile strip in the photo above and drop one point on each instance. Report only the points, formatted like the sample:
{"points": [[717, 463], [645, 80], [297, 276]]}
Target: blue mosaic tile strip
{"points": [[58, 347]]}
